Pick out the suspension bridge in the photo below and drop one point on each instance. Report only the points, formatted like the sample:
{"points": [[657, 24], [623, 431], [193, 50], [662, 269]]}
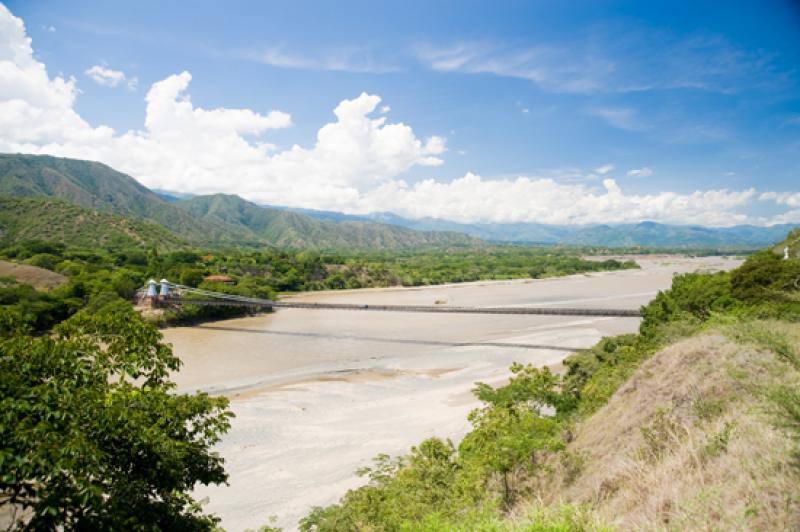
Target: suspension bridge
{"points": [[167, 294]]}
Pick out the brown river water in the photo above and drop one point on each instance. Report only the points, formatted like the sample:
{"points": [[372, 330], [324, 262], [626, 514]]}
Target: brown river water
{"points": [[318, 393]]}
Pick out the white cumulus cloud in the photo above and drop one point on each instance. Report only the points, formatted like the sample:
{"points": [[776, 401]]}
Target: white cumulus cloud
{"points": [[472, 198], [186, 147], [105, 76], [791, 199]]}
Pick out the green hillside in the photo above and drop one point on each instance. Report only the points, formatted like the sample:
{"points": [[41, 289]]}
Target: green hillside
{"points": [[97, 186], [294, 230], [206, 220], [59, 221]]}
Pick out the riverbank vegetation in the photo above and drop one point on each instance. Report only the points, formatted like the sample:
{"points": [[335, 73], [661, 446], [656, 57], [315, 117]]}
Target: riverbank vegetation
{"points": [[96, 276], [692, 423]]}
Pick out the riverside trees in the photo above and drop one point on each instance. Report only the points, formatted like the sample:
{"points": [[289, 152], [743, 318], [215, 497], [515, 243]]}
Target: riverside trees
{"points": [[92, 433]]}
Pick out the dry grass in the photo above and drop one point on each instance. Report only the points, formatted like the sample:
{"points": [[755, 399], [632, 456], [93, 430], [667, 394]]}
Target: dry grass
{"points": [[689, 443], [37, 277]]}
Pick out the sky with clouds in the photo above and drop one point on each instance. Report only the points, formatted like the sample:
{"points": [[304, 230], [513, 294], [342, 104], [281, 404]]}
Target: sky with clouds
{"points": [[551, 112]]}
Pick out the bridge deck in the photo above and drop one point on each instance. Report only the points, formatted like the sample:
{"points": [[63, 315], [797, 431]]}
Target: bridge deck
{"points": [[437, 309]]}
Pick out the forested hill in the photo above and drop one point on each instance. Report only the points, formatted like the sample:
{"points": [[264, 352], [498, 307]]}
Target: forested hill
{"points": [[290, 229], [96, 186], [54, 220], [211, 220]]}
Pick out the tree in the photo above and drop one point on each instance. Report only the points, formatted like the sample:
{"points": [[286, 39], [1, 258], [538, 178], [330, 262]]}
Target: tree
{"points": [[508, 433], [92, 434], [192, 276]]}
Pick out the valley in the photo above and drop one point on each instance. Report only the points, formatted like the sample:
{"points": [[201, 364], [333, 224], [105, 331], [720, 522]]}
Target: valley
{"points": [[326, 391]]}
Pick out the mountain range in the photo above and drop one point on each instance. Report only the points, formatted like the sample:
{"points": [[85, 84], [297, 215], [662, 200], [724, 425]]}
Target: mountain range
{"points": [[221, 219], [642, 234], [200, 220]]}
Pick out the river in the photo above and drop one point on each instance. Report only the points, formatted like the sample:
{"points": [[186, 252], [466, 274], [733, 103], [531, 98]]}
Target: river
{"points": [[318, 393]]}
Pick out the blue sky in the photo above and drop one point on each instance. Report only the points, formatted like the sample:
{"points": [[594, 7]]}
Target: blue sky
{"points": [[661, 97]]}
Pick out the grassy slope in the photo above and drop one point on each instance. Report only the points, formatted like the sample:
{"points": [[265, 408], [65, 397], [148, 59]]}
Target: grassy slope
{"points": [[59, 221], [39, 278], [690, 440], [290, 229]]}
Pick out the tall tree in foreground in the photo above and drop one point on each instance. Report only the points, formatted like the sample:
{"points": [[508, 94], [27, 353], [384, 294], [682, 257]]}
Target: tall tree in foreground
{"points": [[92, 433]]}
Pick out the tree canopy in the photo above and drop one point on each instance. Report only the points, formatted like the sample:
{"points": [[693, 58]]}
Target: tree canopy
{"points": [[92, 433]]}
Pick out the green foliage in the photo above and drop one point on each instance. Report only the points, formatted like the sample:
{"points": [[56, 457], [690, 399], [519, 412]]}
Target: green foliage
{"points": [[54, 220], [506, 441], [92, 433], [400, 491], [594, 375], [531, 387], [554, 518], [122, 269], [438, 483], [766, 278]]}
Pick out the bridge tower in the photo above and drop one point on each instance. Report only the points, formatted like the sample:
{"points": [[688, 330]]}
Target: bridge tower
{"points": [[151, 295], [164, 289]]}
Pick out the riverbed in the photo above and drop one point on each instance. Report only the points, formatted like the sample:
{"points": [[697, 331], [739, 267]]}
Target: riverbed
{"points": [[318, 393]]}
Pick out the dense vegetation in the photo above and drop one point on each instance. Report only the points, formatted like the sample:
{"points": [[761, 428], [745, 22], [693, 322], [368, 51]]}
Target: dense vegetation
{"points": [[92, 433], [25, 219], [522, 428], [97, 276]]}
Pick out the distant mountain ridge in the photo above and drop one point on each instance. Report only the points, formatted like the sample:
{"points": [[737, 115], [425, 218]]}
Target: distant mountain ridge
{"points": [[221, 219], [642, 234], [200, 220]]}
